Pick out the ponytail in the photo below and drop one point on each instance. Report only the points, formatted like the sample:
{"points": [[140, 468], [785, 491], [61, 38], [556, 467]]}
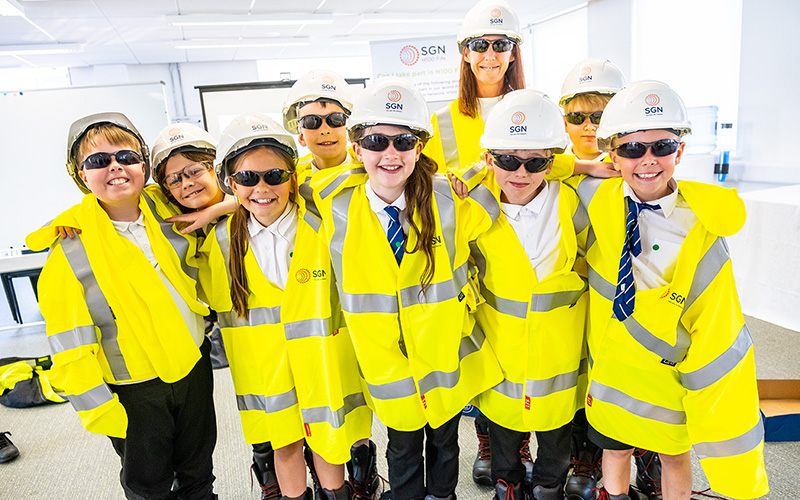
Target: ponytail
{"points": [[240, 291]]}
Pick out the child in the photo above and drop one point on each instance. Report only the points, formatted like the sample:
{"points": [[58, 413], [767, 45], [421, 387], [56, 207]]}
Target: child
{"points": [[317, 108], [127, 339], [399, 245], [671, 358], [291, 362], [535, 305]]}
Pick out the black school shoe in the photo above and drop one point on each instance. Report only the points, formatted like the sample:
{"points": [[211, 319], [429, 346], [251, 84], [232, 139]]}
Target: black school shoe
{"points": [[8, 451]]}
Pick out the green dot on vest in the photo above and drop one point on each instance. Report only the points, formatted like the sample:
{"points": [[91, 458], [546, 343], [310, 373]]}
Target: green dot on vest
{"points": [[655, 247]]}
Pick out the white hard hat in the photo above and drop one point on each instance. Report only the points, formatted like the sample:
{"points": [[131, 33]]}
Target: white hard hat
{"points": [[247, 132], [525, 119], [489, 17], [320, 84], [591, 75], [179, 138], [391, 101], [82, 125], [642, 105]]}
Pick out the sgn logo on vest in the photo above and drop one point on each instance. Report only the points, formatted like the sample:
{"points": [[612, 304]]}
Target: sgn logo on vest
{"points": [[394, 104], [304, 275], [496, 20], [327, 84], [517, 127], [652, 108]]}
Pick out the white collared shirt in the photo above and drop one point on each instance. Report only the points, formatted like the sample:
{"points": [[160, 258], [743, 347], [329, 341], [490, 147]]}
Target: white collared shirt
{"points": [[273, 245], [538, 228], [662, 233], [136, 233], [378, 205], [600, 157]]}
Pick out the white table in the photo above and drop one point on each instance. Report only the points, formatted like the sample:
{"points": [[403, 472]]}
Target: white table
{"points": [[28, 265]]}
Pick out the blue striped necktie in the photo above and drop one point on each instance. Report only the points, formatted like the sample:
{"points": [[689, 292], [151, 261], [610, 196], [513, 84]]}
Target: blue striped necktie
{"points": [[395, 233], [625, 295]]}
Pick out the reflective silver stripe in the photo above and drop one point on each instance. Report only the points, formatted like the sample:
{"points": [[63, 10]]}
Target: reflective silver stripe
{"points": [[97, 304], [580, 219], [317, 327], [734, 446], [311, 216], [447, 133], [657, 346], [545, 302], [587, 188], [474, 169], [436, 292], [552, 385], [601, 285], [590, 239], [340, 206], [267, 404], [330, 188], [335, 418], [502, 305], [486, 199], [179, 243], [92, 398], [707, 269], [256, 317], [591, 360], [448, 380], [719, 367], [360, 303], [71, 339], [393, 390], [635, 406], [510, 389]]}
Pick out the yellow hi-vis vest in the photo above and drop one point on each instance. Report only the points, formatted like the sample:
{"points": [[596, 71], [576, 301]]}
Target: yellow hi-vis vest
{"points": [[109, 316], [679, 372], [292, 363], [455, 143], [535, 327], [423, 357], [304, 164]]}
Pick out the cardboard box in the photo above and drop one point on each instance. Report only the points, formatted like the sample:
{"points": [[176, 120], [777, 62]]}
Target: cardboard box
{"points": [[780, 404]]}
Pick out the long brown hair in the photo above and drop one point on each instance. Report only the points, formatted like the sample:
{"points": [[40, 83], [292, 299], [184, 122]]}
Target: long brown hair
{"points": [[514, 79], [240, 290]]}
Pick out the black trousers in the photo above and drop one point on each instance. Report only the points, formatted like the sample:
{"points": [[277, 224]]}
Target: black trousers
{"points": [[552, 455], [172, 431], [407, 478]]}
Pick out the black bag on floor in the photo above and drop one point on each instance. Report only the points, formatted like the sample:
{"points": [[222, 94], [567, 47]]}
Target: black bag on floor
{"points": [[24, 383]]}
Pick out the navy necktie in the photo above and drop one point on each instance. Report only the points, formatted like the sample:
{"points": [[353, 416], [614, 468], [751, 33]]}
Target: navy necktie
{"points": [[625, 295], [395, 233]]}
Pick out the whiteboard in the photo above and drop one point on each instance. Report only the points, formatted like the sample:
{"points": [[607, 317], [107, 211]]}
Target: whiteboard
{"points": [[35, 186]]}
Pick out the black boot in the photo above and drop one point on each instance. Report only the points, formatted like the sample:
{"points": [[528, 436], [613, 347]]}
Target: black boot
{"points": [[448, 497], [648, 473], [525, 458], [8, 451], [482, 467], [506, 491], [343, 493], [309, 456], [363, 472], [308, 495], [542, 493], [586, 470], [264, 469]]}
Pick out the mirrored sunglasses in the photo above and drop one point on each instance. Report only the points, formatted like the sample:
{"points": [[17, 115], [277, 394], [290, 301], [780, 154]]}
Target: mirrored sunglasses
{"points": [[663, 147], [511, 163], [103, 160], [313, 122], [379, 142], [272, 177], [578, 117], [482, 44]]}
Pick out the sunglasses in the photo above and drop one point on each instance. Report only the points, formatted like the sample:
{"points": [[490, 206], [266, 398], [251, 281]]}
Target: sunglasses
{"points": [[102, 160], [313, 122], [482, 44], [379, 142], [663, 147], [511, 163], [272, 177], [578, 117], [192, 171]]}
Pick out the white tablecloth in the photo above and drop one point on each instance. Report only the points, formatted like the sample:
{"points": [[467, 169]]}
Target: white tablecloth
{"points": [[766, 256]]}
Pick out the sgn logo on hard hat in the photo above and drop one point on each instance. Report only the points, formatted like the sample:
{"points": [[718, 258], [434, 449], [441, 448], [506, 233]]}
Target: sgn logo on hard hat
{"points": [[652, 108], [327, 83], [175, 134], [496, 19], [257, 123], [394, 97], [517, 119], [586, 74], [409, 55], [174, 131]]}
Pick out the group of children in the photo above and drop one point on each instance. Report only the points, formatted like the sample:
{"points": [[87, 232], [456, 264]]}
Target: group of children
{"points": [[359, 281]]}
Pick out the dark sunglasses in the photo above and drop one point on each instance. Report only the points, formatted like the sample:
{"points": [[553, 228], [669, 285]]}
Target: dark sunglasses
{"points": [[379, 142], [313, 122], [578, 117], [512, 163], [272, 177], [663, 147], [102, 160], [482, 44]]}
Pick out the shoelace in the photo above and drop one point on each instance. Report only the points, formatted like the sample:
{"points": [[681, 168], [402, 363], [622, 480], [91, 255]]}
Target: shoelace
{"points": [[602, 494], [525, 450], [4, 441], [707, 495], [584, 469], [361, 488], [509, 490], [269, 492], [654, 484], [484, 452]]}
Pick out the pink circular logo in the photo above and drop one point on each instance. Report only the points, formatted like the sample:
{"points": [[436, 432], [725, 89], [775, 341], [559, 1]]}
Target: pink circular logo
{"points": [[174, 131], [327, 79], [518, 118], [586, 70], [394, 95], [495, 13], [652, 100], [409, 55]]}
